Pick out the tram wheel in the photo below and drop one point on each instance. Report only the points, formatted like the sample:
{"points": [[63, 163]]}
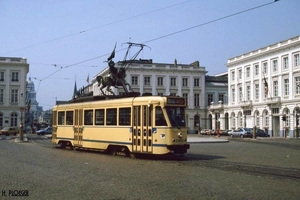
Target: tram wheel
{"points": [[62, 145]]}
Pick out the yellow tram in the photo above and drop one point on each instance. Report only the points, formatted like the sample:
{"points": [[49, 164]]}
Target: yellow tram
{"points": [[132, 125]]}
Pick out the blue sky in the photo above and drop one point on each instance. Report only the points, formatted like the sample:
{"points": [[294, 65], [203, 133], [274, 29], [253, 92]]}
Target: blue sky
{"points": [[55, 35]]}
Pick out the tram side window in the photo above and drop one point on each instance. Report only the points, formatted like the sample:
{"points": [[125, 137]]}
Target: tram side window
{"points": [[111, 116], [88, 117], [159, 117], [99, 117], [124, 116], [69, 117], [61, 118]]}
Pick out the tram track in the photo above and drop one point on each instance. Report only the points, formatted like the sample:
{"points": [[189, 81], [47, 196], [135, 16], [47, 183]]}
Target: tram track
{"points": [[245, 168]]}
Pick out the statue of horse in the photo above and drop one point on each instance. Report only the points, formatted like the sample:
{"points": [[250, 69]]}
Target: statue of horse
{"points": [[116, 78]]}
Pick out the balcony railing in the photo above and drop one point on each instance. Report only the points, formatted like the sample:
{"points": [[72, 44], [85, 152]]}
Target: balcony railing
{"points": [[272, 100], [218, 106], [245, 103]]}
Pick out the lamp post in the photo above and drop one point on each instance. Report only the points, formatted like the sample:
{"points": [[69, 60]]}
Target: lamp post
{"points": [[21, 123], [297, 124]]}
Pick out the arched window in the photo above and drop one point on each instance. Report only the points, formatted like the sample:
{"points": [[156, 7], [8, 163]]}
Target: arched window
{"points": [[13, 119], [240, 119], [233, 125], [265, 118]]}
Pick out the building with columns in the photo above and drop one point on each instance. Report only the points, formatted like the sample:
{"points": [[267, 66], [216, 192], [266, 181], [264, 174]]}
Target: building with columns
{"points": [[185, 80], [264, 86], [13, 72]]}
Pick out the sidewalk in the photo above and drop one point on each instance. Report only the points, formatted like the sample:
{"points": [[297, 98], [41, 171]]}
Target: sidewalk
{"points": [[194, 138]]}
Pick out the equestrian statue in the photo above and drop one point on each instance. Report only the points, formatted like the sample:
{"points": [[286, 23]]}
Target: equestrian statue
{"points": [[117, 75]]}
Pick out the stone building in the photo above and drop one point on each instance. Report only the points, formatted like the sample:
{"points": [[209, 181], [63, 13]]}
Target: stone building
{"points": [[264, 88], [185, 80], [13, 73]]}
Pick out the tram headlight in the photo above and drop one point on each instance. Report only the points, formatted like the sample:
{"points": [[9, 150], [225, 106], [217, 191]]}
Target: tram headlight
{"points": [[180, 135]]}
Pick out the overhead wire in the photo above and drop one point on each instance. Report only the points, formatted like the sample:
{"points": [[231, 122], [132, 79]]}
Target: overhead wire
{"points": [[104, 25], [157, 38], [183, 30]]}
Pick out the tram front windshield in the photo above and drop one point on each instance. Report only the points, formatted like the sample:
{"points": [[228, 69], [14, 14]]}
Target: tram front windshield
{"points": [[176, 116]]}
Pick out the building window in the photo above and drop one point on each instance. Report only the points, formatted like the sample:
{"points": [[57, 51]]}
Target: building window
{"points": [[248, 92], [265, 68], [296, 60], [285, 63], [256, 91], [257, 119], [15, 76], [160, 81], [173, 81], [267, 120], [232, 76], [275, 65], [240, 74], [286, 87], [297, 82], [210, 98], [240, 94], [134, 80], [1, 76], [196, 82], [233, 95], [256, 68], [147, 80], [186, 97], [221, 97], [248, 72], [1, 95], [160, 94], [14, 96], [275, 86], [173, 94], [196, 100], [13, 120], [185, 82]]}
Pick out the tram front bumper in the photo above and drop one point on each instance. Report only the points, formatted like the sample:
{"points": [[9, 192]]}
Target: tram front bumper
{"points": [[179, 148]]}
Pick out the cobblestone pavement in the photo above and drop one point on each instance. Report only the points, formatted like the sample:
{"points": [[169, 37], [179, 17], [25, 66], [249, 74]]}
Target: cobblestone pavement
{"points": [[240, 169]]}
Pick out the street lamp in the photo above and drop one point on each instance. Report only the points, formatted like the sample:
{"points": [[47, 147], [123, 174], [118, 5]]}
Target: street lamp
{"points": [[21, 124]]}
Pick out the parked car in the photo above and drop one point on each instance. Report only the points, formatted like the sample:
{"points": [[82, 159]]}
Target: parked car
{"points": [[9, 130], [204, 132], [225, 132], [45, 131], [242, 133], [261, 133]]}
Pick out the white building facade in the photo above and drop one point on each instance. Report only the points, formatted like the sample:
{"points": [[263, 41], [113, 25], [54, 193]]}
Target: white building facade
{"points": [[13, 72], [264, 86], [185, 80]]}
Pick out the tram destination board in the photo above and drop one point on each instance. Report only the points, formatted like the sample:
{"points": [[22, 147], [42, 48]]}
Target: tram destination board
{"points": [[175, 101]]}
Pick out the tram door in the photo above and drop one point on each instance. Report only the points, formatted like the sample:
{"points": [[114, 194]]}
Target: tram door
{"points": [[78, 128], [142, 129]]}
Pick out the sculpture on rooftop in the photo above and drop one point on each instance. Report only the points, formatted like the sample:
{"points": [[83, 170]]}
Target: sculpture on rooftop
{"points": [[117, 75]]}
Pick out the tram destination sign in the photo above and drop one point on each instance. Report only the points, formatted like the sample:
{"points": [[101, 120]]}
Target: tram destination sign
{"points": [[176, 101]]}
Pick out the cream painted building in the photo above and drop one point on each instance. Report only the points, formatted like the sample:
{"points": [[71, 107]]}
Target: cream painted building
{"points": [[264, 86], [185, 80], [13, 72]]}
